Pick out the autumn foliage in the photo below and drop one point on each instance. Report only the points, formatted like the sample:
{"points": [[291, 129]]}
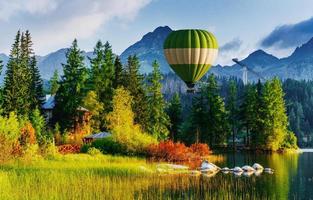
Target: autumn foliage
{"points": [[28, 135], [176, 152], [69, 148]]}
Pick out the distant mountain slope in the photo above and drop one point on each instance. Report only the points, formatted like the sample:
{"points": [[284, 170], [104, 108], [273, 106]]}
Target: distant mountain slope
{"points": [[53, 61], [49, 63], [5, 60], [150, 48], [299, 65]]}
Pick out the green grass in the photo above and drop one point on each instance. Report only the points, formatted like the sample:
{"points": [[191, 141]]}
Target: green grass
{"points": [[82, 176]]}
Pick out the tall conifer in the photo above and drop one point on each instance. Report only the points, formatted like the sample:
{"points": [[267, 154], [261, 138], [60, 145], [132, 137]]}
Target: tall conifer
{"points": [[134, 84], [159, 119], [72, 88]]}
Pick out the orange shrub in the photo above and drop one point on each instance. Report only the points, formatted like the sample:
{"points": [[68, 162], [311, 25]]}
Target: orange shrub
{"points": [[28, 135], [69, 148], [200, 149], [176, 152]]}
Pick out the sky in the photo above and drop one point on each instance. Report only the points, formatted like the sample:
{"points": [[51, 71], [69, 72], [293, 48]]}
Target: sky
{"points": [[240, 26]]}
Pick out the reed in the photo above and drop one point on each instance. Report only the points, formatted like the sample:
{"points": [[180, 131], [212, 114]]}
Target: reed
{"points": [[110, 177]]}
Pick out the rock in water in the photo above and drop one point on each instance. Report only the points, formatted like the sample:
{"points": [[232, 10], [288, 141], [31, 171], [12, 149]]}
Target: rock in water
{"points": [[237, 174], [225, 169], [247, 168], [257, 166], [237, 169], [248, 173], [269, 170], [205, 165]]}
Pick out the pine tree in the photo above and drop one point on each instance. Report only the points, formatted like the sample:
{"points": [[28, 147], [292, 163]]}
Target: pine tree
{"points": [[218, 127], [159, 120], [199, 124], [275, 121], [102, 75], [23, 86], [54, 83], [134, 84], [16, 83], [36, 88], [248, 110], [72, 88], [232, 109], [174, 111], [118, 73]]}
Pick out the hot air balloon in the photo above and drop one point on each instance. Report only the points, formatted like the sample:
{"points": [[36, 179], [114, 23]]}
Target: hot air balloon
{"points": [[190, 53]]}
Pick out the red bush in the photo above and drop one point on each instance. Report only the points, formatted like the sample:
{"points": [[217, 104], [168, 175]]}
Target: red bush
{"points": [[69, 148], [200, 149], [176, 152]]}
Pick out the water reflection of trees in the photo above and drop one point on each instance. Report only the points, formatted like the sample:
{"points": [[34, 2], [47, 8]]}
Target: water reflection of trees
{"points": [[228, 186], [279, 184]]}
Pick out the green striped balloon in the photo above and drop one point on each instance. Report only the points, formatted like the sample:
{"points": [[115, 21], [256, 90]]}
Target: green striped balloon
{"points": [[190, 53]]}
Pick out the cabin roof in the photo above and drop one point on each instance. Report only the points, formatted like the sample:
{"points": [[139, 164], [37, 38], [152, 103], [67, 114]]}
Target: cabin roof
{"points": [[98, 135], [49, 102]]}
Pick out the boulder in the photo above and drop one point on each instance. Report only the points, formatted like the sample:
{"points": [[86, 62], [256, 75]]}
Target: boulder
{"points": [[269, 170], [237, 169], [247, 173], [225, 169], [205, 165], [247, 168], [257, 166], [238, 173]]}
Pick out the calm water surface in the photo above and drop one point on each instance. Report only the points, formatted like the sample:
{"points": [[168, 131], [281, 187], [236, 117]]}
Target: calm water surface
{"points": [[293, 179]]}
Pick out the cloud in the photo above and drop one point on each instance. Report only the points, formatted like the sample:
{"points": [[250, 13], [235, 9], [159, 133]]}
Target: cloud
{"points": [[55, 23], [11, 8], [233, 49], [234, 44], [289, 36]]}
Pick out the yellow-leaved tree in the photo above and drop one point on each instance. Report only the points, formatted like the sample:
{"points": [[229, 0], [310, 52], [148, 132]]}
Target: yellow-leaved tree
{"points": [[96, 108], [122, 126]]}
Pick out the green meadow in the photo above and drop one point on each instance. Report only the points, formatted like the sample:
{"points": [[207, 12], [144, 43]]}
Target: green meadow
{"points": [[82, 176]]}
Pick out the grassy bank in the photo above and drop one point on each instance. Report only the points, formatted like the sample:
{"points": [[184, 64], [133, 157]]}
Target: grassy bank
{"points": [[81, 176], [78, 176]]}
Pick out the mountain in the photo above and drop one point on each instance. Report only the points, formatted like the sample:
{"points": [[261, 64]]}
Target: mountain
{"points": [[53, 61], [150, 48], [5, 60], [299, 65]]}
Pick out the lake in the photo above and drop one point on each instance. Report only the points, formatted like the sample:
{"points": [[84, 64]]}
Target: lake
{"points": [[82, 176], [292, 179]]}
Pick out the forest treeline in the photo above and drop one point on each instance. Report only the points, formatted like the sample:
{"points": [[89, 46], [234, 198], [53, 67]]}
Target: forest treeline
{"points": [[131, 106], [298, 97]]}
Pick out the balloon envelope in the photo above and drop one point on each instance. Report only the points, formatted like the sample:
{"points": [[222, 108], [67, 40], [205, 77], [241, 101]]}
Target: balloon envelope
{"points": [[190, 53]]}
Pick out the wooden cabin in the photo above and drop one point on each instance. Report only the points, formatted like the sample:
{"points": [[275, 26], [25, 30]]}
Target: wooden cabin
{"points": [[92, 137]]}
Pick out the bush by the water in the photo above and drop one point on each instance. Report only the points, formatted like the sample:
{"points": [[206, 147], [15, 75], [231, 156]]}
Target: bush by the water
{"points": [[106, 146], [121, 123], [170, 151], [93, 151]]}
